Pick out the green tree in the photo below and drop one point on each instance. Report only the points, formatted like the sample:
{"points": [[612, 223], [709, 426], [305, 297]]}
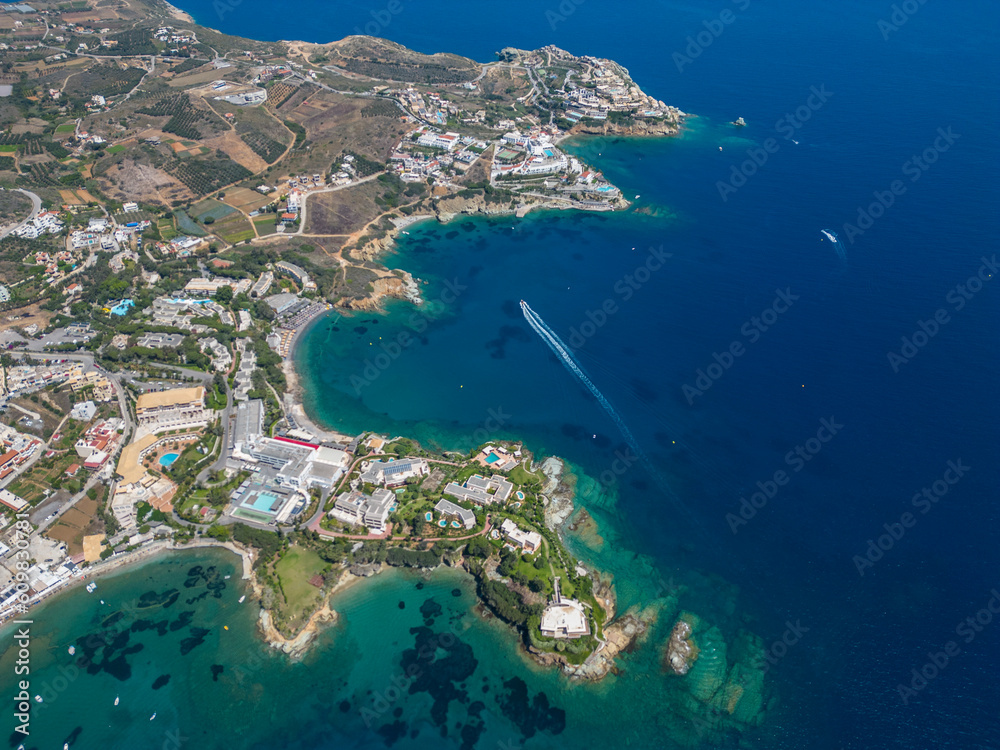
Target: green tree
{"points": [[224, 295], [263, 310], [478, 547], [217, 531]]}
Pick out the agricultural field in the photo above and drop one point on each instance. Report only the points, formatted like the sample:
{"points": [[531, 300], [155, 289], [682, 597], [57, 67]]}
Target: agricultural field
{"points": [[266, 136], [183, 149], [210, 209], [246, 199], [187, 225], [166, 229], [76, 197], [234, 228], [278, 93], [265, 225], [203, 175], [185, 120]]}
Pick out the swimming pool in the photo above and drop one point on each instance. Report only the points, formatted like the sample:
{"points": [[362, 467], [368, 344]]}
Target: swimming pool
{"points": [[264, 502], [520, 495], [168, 458], [122, 307], [492, 458], [428, 516]]}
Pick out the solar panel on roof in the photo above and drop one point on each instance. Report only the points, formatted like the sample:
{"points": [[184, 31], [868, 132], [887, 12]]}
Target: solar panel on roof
{"points": [[397, 467]]}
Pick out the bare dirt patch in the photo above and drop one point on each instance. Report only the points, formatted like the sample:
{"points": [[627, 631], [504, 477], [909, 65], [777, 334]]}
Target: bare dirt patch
{"points": [[343, 211], [133, 181], [26, 316]]}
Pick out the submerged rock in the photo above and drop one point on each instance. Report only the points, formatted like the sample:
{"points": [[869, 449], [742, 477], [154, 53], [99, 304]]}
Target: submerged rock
{"points": [[722, 681]]}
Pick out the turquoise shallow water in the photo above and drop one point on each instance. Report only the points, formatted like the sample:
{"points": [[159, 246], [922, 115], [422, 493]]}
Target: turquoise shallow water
{"points": [[475, 371], [408, 665]]}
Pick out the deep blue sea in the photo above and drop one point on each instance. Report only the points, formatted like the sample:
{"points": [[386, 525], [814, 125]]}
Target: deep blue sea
{"points": [[727, 334]]}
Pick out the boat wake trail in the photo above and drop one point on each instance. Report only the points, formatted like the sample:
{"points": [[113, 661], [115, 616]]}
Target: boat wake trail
{"points": [[559, 348]]}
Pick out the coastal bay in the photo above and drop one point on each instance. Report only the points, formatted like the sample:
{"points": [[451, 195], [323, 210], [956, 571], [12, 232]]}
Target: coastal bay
{"points": [[753, 633]]}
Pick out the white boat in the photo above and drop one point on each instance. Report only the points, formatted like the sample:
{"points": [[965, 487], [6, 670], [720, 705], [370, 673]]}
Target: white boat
{"points": [[226, 578], [242, 598], [65, 746], [91, 586], [117, 698], [38, 698], [153, 716], [72, 650], [828, 234]]}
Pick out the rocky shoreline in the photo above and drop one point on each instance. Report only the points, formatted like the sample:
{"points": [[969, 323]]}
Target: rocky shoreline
{"points": [[639, 128], [296, 647], [446, 209], [621, 633]]}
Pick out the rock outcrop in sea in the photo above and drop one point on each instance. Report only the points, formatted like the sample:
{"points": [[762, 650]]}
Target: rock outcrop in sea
{"points": [[726, 681]]}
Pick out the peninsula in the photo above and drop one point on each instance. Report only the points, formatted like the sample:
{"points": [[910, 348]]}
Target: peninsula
{"points": [[178, 205]]}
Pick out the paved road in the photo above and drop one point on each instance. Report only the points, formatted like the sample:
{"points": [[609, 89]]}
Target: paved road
{"points": [[220, 463], [36, 206]]}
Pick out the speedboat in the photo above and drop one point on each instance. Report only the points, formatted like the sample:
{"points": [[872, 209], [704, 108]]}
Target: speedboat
{"points": [[72, 650], [117, 698], [153, 716], [91, 586]]}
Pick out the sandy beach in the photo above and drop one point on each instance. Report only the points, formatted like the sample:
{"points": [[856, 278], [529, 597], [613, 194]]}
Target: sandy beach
{"points": [[293, 394]]}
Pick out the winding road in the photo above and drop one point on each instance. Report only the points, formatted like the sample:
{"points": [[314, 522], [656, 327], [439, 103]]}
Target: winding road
{"points": [[36, 206]]}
